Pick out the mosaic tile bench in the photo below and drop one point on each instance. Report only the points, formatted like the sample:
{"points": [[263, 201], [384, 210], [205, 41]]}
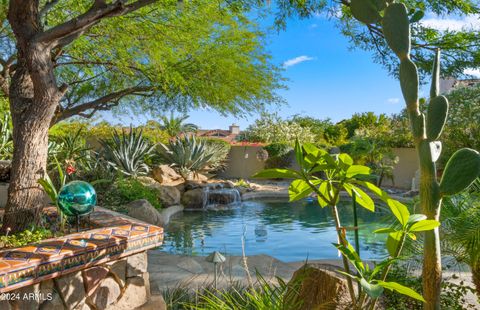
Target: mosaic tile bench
{"points": [[101, 268]]}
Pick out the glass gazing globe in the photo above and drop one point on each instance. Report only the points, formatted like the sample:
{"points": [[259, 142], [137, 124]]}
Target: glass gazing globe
{"points": [[77, 198]]}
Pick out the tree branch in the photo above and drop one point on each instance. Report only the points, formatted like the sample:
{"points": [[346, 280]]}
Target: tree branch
{"points": [[101, 104], [65, 33]]}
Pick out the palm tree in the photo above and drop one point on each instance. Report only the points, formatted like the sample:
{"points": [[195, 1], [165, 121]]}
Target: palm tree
{"points": [[175, 125], [461, 229]]}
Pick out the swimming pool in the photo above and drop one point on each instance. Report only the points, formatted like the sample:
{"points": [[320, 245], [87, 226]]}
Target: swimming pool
{"points": [[287, 231]]}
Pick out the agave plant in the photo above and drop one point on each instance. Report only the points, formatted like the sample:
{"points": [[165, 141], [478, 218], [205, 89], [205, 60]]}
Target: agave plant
{"points": [[188, 155], [127, 152], [6, 141]]}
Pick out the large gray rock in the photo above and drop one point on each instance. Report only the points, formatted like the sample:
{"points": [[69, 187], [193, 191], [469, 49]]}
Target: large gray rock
{"points": [[137, 264], [71, 289], [168, 195], [142, 210], [193, 199], [136, 294], [106, 294], [315, 287], [165, 175]]}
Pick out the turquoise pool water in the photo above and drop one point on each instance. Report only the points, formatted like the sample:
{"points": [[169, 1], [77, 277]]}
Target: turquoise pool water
{"points": [[287, 231]]}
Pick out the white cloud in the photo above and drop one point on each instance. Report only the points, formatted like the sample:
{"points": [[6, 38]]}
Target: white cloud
{"points": [[393, 100], [472, 72], [313, 26], [296, 61], [453, 24]]}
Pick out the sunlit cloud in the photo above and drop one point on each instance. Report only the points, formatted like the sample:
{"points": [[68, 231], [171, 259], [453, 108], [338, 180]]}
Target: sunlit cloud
{"points": [[471, 22], [296, 61]]}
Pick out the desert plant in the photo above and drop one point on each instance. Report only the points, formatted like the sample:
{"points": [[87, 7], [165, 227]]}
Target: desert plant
{"points": [[127, 152], [262, 295], [188, 155], [462, 168], [461, 229], [6, 141], [340, 174], [175, 126]]}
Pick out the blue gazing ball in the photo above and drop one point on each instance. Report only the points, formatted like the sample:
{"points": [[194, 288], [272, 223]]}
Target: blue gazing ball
{"points": [[77, 198]]}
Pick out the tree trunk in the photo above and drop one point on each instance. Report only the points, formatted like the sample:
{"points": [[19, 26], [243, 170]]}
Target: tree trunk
{"points": [[33, 96], [476, 277]]}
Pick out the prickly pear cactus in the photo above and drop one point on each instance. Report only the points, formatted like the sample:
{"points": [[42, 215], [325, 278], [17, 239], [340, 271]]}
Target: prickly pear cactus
{"points": [[462, 168]]}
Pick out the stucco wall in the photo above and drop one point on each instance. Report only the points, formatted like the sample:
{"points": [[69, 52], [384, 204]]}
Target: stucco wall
{"points": [[405, 170], [243, 163]]}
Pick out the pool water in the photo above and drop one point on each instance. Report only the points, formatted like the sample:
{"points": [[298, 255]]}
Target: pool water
{"points": [[287, 231]]}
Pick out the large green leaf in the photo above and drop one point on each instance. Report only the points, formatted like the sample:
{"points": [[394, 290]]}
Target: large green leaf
{"points": [[349, 252], [345, 159], [393, 240], [299, 189], [393, 286], [356, 170], [276, 174], [416, 218], [386, 230], [298, 153], [399, 210], [372, 290], [374, 189], [424, 225], [361, 197]]}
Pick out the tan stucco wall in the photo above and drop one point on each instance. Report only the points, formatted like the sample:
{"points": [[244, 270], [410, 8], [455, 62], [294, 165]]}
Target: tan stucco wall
{"points": [[242, 166], [243, 162], [405, 170]]}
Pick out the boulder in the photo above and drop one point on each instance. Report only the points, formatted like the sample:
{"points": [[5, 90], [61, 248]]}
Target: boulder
{"points": [[165, 174], [193, 199], [142, 209], [168, 195], [71, 289], [317, 287], [229, 184], [136, 294], [137, 264], [106, 294]]}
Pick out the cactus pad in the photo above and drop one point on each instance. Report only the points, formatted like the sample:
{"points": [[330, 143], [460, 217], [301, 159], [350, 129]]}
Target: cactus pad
{"points": [[409, 81], [396, 28], [435, 87], [461, 170], [436, 117], [367, 11]]}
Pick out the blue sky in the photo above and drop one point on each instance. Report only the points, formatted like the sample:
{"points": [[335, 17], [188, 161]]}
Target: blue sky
{"points": [[326, 79]]}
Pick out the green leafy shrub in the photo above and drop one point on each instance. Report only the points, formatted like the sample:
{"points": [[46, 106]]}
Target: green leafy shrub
{"points": [[125, 190], [25, 237], [453, 296], [278, 155]]}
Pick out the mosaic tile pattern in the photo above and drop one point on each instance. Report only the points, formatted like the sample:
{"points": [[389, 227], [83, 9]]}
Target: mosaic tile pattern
{"points": [[116, 237]]}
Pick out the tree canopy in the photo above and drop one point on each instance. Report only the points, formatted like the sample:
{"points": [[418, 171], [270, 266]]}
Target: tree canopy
{"points": [[201, 53], [165, 55]]}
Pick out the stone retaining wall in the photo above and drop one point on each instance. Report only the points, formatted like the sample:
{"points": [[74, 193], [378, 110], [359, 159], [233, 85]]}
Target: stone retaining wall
{"points": [[102, 268]]}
